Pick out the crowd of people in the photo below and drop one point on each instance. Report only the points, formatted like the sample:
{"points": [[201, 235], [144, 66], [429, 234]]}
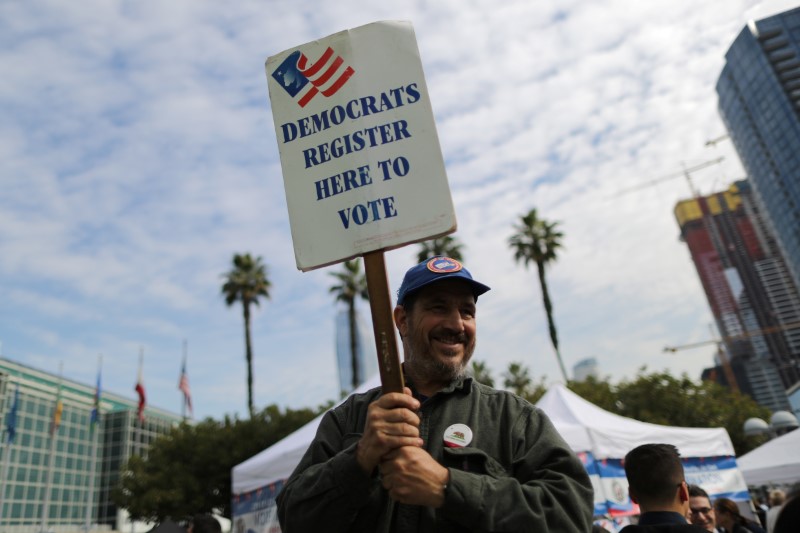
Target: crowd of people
{"points": [[657, 483], [451, 454]]}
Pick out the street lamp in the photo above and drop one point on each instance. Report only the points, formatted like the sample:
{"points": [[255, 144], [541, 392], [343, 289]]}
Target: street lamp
{"points": [[780, 422]]}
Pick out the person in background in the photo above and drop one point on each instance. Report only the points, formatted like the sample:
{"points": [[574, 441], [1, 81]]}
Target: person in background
{"points": [[776, 499], [700, 509], [730, 518], [656, 482], [204, 523], [448, 454], [788, 520], [761, 509]]}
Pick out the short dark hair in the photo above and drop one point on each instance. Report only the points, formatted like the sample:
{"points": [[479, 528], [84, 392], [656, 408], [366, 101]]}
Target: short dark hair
{"points": [[696, 491], [654, 473], [410, 300], [205, 523]]}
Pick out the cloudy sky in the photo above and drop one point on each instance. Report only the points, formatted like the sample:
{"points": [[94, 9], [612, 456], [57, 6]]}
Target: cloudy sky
{"points": [[138, 154]]}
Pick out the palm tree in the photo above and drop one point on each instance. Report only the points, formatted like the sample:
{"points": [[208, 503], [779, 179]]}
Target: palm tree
{"points": [[481, 373], [352, 284], [246, 282], [517, 378], [447, 246], [536, 241]]}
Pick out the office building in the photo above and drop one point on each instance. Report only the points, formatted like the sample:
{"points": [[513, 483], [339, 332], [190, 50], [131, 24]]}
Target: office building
{"points": [[794, 399], [584, 368], [759, 101], [753, 298], [79, 463], [366, 357]]}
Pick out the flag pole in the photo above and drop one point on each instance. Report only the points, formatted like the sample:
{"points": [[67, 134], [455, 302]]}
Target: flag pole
{"points": [[50, 459], [183, 370], [11, 418], [94, 429], [137, 428]]}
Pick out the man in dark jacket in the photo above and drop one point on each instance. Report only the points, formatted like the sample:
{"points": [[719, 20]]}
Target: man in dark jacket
{"points": [[450, 454], [656, 483]]}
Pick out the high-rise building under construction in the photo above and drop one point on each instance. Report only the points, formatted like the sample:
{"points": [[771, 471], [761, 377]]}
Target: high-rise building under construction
{"points": [[754, 300]]}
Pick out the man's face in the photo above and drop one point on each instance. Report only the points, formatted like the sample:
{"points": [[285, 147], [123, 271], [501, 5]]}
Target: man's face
{"points": [[702, 513], [439, 330]]}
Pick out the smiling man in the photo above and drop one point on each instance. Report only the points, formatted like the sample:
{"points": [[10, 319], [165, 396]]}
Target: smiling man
{"points": [[449, 454], [701, 510]]}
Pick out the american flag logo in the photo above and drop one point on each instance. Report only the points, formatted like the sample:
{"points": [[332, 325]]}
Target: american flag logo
{"points": [[304, 80]]}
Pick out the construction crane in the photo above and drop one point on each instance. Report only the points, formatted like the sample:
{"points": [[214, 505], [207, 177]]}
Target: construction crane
{"points": [[685, 172], [713, 142], [723, 357], [740, 336]]}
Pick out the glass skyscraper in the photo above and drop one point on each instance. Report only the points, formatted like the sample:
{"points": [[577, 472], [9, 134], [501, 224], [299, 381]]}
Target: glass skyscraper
{"points": [[759, 101], [79, 481]]}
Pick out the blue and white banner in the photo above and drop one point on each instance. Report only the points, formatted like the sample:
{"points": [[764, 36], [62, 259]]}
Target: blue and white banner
{"points": [[256, 511], [719, 476]]}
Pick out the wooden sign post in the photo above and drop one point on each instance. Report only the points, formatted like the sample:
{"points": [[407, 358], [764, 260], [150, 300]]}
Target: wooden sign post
{"points": [[362, 166]]}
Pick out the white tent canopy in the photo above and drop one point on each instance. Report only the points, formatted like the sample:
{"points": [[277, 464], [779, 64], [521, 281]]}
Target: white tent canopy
{"points": [[774, 462], [279, 460], [587, 427], [274, 463]]}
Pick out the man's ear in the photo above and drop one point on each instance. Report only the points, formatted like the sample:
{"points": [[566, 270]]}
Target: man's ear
{"points": [[634, 499], [683, 491], [401, 320]]}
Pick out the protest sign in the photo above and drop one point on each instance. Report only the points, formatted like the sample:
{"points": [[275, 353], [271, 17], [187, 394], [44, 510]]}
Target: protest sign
{"points": [[362, 166]]}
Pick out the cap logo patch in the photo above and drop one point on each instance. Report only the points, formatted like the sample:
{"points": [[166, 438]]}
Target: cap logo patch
{"points": [[443, 265]]}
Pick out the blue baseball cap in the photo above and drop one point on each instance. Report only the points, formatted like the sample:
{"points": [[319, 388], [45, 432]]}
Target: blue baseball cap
{"points": [[433, 270]]}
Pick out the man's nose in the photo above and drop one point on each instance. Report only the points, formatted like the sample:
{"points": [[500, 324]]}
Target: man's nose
{"points": [[454, 320]]}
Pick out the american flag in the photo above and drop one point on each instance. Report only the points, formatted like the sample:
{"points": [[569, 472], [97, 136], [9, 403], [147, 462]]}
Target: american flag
{"points": [[11, 417], [95, 417], [183, 385], [139, 388], [304, 80]]}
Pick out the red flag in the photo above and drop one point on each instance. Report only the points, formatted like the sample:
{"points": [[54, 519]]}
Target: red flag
{"points": [[139, 388], [183, 385]]}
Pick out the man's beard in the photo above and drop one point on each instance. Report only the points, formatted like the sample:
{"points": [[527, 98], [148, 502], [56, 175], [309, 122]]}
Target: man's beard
{"points": [[427, 367]]}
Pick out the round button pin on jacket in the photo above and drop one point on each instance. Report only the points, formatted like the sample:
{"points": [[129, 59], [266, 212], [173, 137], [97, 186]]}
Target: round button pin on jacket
{"points": [[457, 436]]}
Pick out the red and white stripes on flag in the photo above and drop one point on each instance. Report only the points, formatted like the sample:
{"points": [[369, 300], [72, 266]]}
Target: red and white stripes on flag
{"points": [[323, 80], [183, 385]]}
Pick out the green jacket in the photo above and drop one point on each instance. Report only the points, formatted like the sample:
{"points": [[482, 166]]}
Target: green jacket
{"points": [[517, 474]]}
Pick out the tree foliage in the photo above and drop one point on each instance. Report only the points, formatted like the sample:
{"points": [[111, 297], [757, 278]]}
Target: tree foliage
{"points": [[447, 246], [188, 471], [481, 373], [517, 379], [661, 398]]}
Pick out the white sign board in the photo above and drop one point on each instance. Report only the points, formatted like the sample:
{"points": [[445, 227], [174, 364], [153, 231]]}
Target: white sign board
{"points": [[362, 166]]}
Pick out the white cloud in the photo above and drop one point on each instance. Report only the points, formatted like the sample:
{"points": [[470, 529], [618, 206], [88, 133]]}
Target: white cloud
{"points": [[138, 154]]}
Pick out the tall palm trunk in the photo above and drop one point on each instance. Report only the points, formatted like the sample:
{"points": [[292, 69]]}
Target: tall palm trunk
{"points": [[249, 356], [548, 309], [351, 315]]}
